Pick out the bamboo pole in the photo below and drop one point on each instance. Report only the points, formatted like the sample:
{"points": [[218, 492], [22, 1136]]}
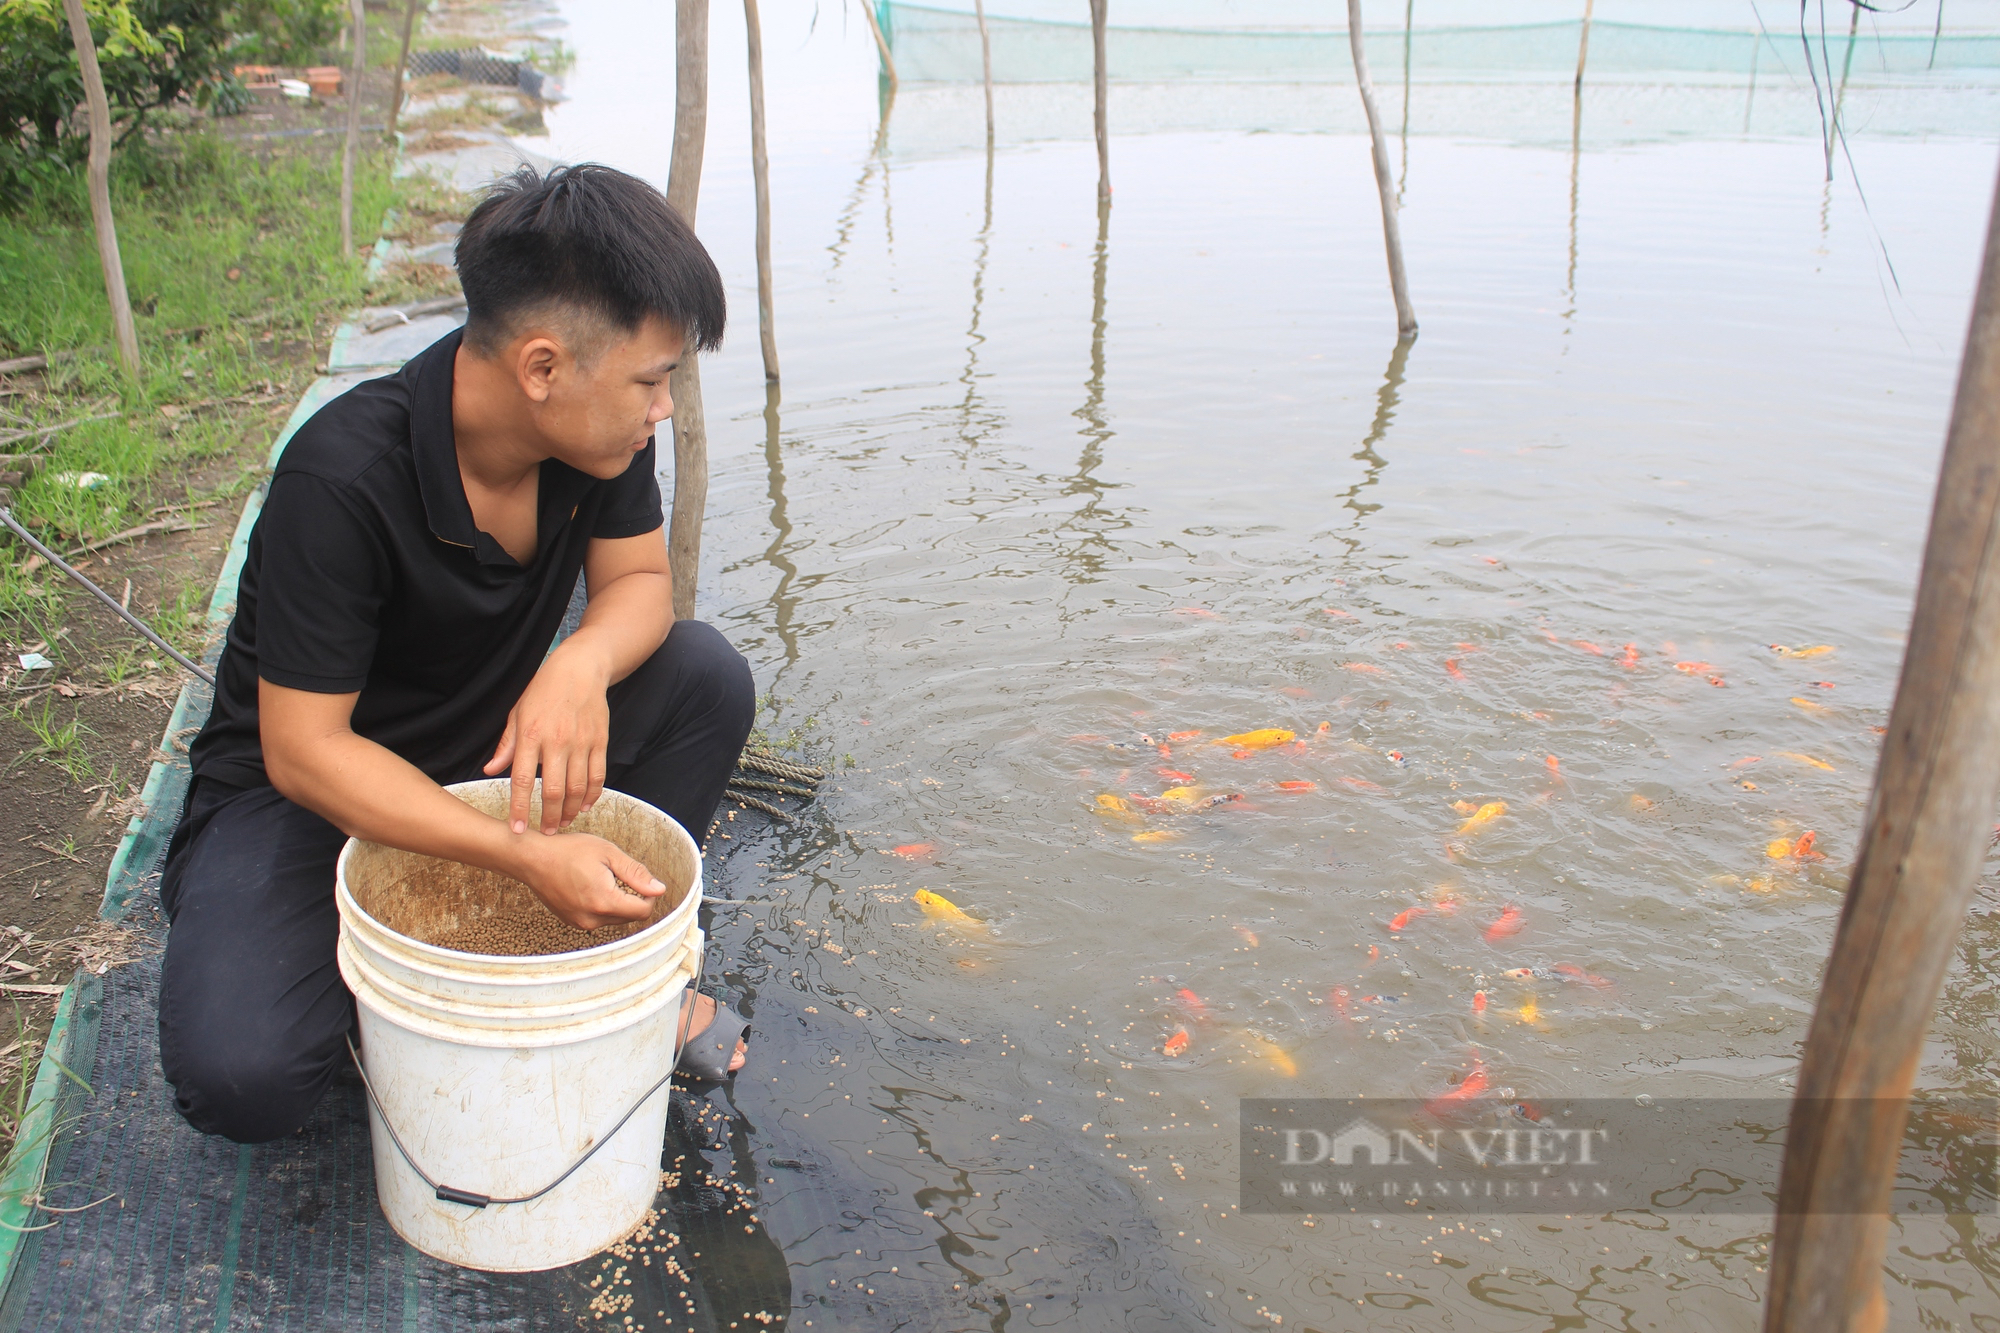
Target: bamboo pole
{"points": [[760, 175], [100, 188], [352, 143], [1923, 840], [881, 44], [1392, 236], [683, 191], [1583, 45], [1099, 101], [985, 64], [402, 63]]}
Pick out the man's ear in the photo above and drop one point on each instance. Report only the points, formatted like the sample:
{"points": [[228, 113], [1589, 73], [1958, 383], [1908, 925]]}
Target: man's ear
{"points": [[535, 366]]}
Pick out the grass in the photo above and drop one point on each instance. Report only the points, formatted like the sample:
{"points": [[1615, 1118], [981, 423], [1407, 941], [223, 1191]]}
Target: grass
{"points": [[60, 744], [233, 262]]}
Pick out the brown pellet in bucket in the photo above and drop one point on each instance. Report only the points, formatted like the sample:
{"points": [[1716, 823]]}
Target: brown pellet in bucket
{"points": [[530, 929]]}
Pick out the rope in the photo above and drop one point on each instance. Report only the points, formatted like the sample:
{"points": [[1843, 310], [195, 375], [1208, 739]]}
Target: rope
{"points": [[740, 798], [782, 788], [763, 761]]}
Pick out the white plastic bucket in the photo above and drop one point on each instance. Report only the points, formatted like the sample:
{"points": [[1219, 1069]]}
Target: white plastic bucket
{"points": [[498, 1073]]}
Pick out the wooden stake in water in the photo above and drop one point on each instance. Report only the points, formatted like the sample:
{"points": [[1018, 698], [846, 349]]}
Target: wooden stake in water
{"points": [[100, 188], [1392, 236], [683, 191], [402, 63], [1928, 824], [881, 45], [1583, 45], [353, 141], [985, 64], [760, 176], [1099, 100]]}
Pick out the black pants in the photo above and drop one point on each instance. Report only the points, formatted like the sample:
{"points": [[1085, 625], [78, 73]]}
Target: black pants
{"points": [[253, 1013]]}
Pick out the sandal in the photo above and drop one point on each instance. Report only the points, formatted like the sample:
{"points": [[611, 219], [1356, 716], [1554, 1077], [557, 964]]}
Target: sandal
{"points": [[709, 1051]]}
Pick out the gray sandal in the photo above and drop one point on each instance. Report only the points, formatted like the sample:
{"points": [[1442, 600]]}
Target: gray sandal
{"points": [[709, 1051]]}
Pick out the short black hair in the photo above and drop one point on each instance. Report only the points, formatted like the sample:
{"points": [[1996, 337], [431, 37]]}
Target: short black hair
{"points": [[587, 238]]}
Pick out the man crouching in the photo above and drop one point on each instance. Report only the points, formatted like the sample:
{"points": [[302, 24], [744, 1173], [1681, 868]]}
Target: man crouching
{"points": [[420, 542]]}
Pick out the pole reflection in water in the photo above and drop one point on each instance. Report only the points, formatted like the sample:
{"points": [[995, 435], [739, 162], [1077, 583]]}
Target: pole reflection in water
{"points": [[1387, 397], [784, 601], [968, 410], [1091, 552]]}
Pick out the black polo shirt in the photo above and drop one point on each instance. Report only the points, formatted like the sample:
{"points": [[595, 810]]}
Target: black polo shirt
{"points": [[366, 573]]}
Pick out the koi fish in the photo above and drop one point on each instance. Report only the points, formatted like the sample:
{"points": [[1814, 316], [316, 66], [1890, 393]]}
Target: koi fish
{"points": [[1375, 950], [1323, 728], [1529, 1010], [1510, 923], [1403, 918], [1471, 1086], [1817, 650], [1451, 668], [1576, 976], [1464, 807], [1800, 849], [1640, 803], [1370, 668], [1173, 775], [1810, 706], [1210, 802], [1395, 756], [1176, 1043], [913, 851], [1588, 646], [940, 908], [1339, 614], [1821, 684], [1338, 998], [1809, 760], [1249, 935], [1479, 1002], [1193, 1003], [1402, 644], [1694, 668], [1359, 784], [1747, 785], [1182, 735], [1298, 784], [1483, 816], [1156, 835], [1116, 806], [1296, 692], [1746, 761], [1529, 974], [1381, 999], [1264, 738], [1201, 611], [1490, 559], [1180, 795], [1631, 659], [1555, 767], [1275, 1053]]}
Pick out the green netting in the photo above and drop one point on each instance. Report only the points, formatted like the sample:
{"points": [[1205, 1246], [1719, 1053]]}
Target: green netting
{"points": [[939, 45]]}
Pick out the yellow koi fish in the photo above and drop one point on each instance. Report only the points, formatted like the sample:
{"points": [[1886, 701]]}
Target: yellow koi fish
{"points": [[940, 908], [1264, 738], [1483, 816], [1810, 706], [1156, 835], [1275, 1053], [1808, 759], [1817, 650]]}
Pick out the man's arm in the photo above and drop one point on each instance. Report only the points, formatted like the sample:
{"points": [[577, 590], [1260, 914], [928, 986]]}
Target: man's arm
{"points": [[561, 722], [314, 758]]}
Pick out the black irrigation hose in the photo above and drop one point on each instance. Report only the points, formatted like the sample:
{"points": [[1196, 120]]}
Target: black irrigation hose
{"points": [[782, 788], [7, 517]]}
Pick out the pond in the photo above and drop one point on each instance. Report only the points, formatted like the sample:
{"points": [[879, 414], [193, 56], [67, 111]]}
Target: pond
{"points": [[1047, 507]]}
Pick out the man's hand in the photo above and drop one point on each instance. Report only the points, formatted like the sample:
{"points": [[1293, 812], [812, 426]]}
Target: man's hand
{"points": [[579, 877], [562, 724]]}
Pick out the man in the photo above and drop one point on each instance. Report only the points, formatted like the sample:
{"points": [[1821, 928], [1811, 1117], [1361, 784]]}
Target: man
{"points": [[420, 542]]}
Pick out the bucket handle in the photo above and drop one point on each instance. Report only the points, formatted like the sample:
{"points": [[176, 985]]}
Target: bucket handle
{"points": [[452, 1194]]}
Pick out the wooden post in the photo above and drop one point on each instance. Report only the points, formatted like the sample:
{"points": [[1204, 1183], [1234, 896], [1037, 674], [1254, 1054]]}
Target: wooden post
{"points": [[1392, 236], [100, 188], [1924, 837], [683, 191], [760, 175], [353, 141], [1099, 101], [985, 64], [881, 44], [402, 63], [1583, 46]]}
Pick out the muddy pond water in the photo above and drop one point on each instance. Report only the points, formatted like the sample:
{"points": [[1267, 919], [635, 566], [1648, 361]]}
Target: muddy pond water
{"points": [[1035, 489]]}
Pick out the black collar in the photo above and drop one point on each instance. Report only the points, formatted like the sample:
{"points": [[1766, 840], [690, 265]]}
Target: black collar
{"points": [[435, 450]]}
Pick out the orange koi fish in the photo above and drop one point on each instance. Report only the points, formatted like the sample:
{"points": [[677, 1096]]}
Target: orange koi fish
{"points": [[1176, 1043], [1576, 976], [1323, 728], [1588, 646], [1402, 644], [1639, 803], [1201, 611], [1395, 756], [1403, 918], [1298, 785], [1338, 998], [1490, 559], [1801, 849], [1631, 659], [1555, 767], [1694, 668], [1479, 1002], [1510, 923], [1471, 1086], [1195, 1007], [1339, 614], [913, 851], [1364, 666], [1746, 761], [1174, 775], [1359, 784], [1296, 692], [1182, 735], [1375, 950], [1821, 684], [1451, 668], [1249, 935]]}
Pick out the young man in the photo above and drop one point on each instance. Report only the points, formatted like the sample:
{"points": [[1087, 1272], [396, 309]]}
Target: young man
{"points": [[420, 542]]}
